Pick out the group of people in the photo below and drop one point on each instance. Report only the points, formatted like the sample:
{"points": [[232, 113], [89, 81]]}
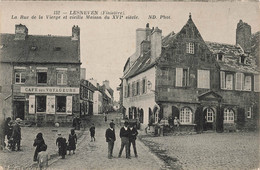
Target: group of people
{"points": [[12, 132], [127, 134]]}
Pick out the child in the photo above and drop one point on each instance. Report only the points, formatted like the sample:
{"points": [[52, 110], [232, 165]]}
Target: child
{"points": [[92, 132], [42, 158], [72, 141], [62, 145]]}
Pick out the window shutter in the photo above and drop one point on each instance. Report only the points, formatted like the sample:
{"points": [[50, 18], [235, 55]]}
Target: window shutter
{"points": [[141, 87], [239, 81], [248, 83], [32, 104], [256, 83], [69, 104], [222, 80], [50, 104], [65, 78], [58, 78], [145, 86], [199, 79], [179, 75]]}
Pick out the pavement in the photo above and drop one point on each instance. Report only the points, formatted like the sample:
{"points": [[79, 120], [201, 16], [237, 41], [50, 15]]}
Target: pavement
{"points": [[24, 159], [208, 150], [93, 155]]}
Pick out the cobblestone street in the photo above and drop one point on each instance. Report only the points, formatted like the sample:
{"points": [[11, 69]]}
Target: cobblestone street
{"points": [[93, 155], [209, 150]]}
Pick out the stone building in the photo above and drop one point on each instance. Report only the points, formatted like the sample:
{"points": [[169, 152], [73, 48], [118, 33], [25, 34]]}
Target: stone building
{"points": [[207, 85], [86, 97], [40, 76]]}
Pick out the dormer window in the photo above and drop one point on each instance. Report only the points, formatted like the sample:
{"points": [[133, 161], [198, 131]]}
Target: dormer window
{"points": [[220, 57], [242, 59], [190, 48]]}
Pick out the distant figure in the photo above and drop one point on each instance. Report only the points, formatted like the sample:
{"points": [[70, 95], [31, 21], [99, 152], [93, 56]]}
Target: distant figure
{"points": [[124, 135], [39, 144], [42, 158], [62, 145], [8, 130], [105, 117], [132, 137], [176, 123], [92, 132], [110, 139], [76, 123], [16, 135], [72, 141]]}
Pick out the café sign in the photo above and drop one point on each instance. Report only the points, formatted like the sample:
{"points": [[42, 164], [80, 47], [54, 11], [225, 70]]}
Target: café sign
{"points": [[63, 90]]}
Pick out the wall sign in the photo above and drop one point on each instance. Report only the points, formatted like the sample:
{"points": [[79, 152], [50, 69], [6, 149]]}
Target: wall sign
{"points": [[63, 90]]}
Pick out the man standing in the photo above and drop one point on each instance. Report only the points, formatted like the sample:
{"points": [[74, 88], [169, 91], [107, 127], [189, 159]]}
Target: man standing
{"points": [[16, 135], [132, 137], [124, 135], [110, 139]]}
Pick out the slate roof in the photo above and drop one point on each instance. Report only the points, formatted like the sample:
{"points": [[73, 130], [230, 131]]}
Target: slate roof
{"points": [[232, 54], [39, 49], [140, 65]]}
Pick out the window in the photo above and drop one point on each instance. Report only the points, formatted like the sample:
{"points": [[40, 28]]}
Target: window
{"points": [[248, 83], [220, 57], [42, 77], [203, 79], [228, 116], [185, 115], [182, 77], [137, 88], [249, 112], [61, 77], [226, 80], [210, 115], [19, 77], [128, 90], [190, 48], [40, 104], [256, 83], [133, 88], [239, 81], [144, 86], [61, 104], [242, 59]]}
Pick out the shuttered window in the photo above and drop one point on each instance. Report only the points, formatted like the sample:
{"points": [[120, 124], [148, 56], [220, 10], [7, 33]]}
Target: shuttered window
{"points": [[229, 81], [222, 80], [239, 81], [203, 79], [256, 83], [179, 76], [69, 104], [248, 83]]}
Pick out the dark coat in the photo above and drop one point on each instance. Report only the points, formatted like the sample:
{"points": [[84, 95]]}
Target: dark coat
{"points": [[72, 141], [92, 130], [8, 130], [16, 135], [124, 133], [110, 135], [133, 133], [61, 142]]}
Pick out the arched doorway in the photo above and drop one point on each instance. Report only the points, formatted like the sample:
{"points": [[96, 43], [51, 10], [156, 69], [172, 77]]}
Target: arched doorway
{"points": [[150, 118], [208, 119], [141, 115]]}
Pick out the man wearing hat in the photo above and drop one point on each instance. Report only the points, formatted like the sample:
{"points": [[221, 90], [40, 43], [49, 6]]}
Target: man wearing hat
{"points": [[110, 139], [16, 135], [132, 137], [124, 135]]}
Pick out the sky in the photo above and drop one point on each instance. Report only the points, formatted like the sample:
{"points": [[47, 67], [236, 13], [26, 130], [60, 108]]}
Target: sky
{"points": [[107, 43]]}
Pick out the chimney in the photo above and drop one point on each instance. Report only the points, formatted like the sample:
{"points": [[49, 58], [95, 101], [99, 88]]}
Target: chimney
{"points": [[75, 33], [106, 83], [145, 46], [156, 43], [243, 36], [21, 32], [141, 35]]}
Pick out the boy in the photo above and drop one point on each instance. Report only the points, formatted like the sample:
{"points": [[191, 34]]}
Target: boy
{"points": [[92, 132]]}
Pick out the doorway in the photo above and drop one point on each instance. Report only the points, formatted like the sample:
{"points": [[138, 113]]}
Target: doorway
{"points": [[19, 109]]}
